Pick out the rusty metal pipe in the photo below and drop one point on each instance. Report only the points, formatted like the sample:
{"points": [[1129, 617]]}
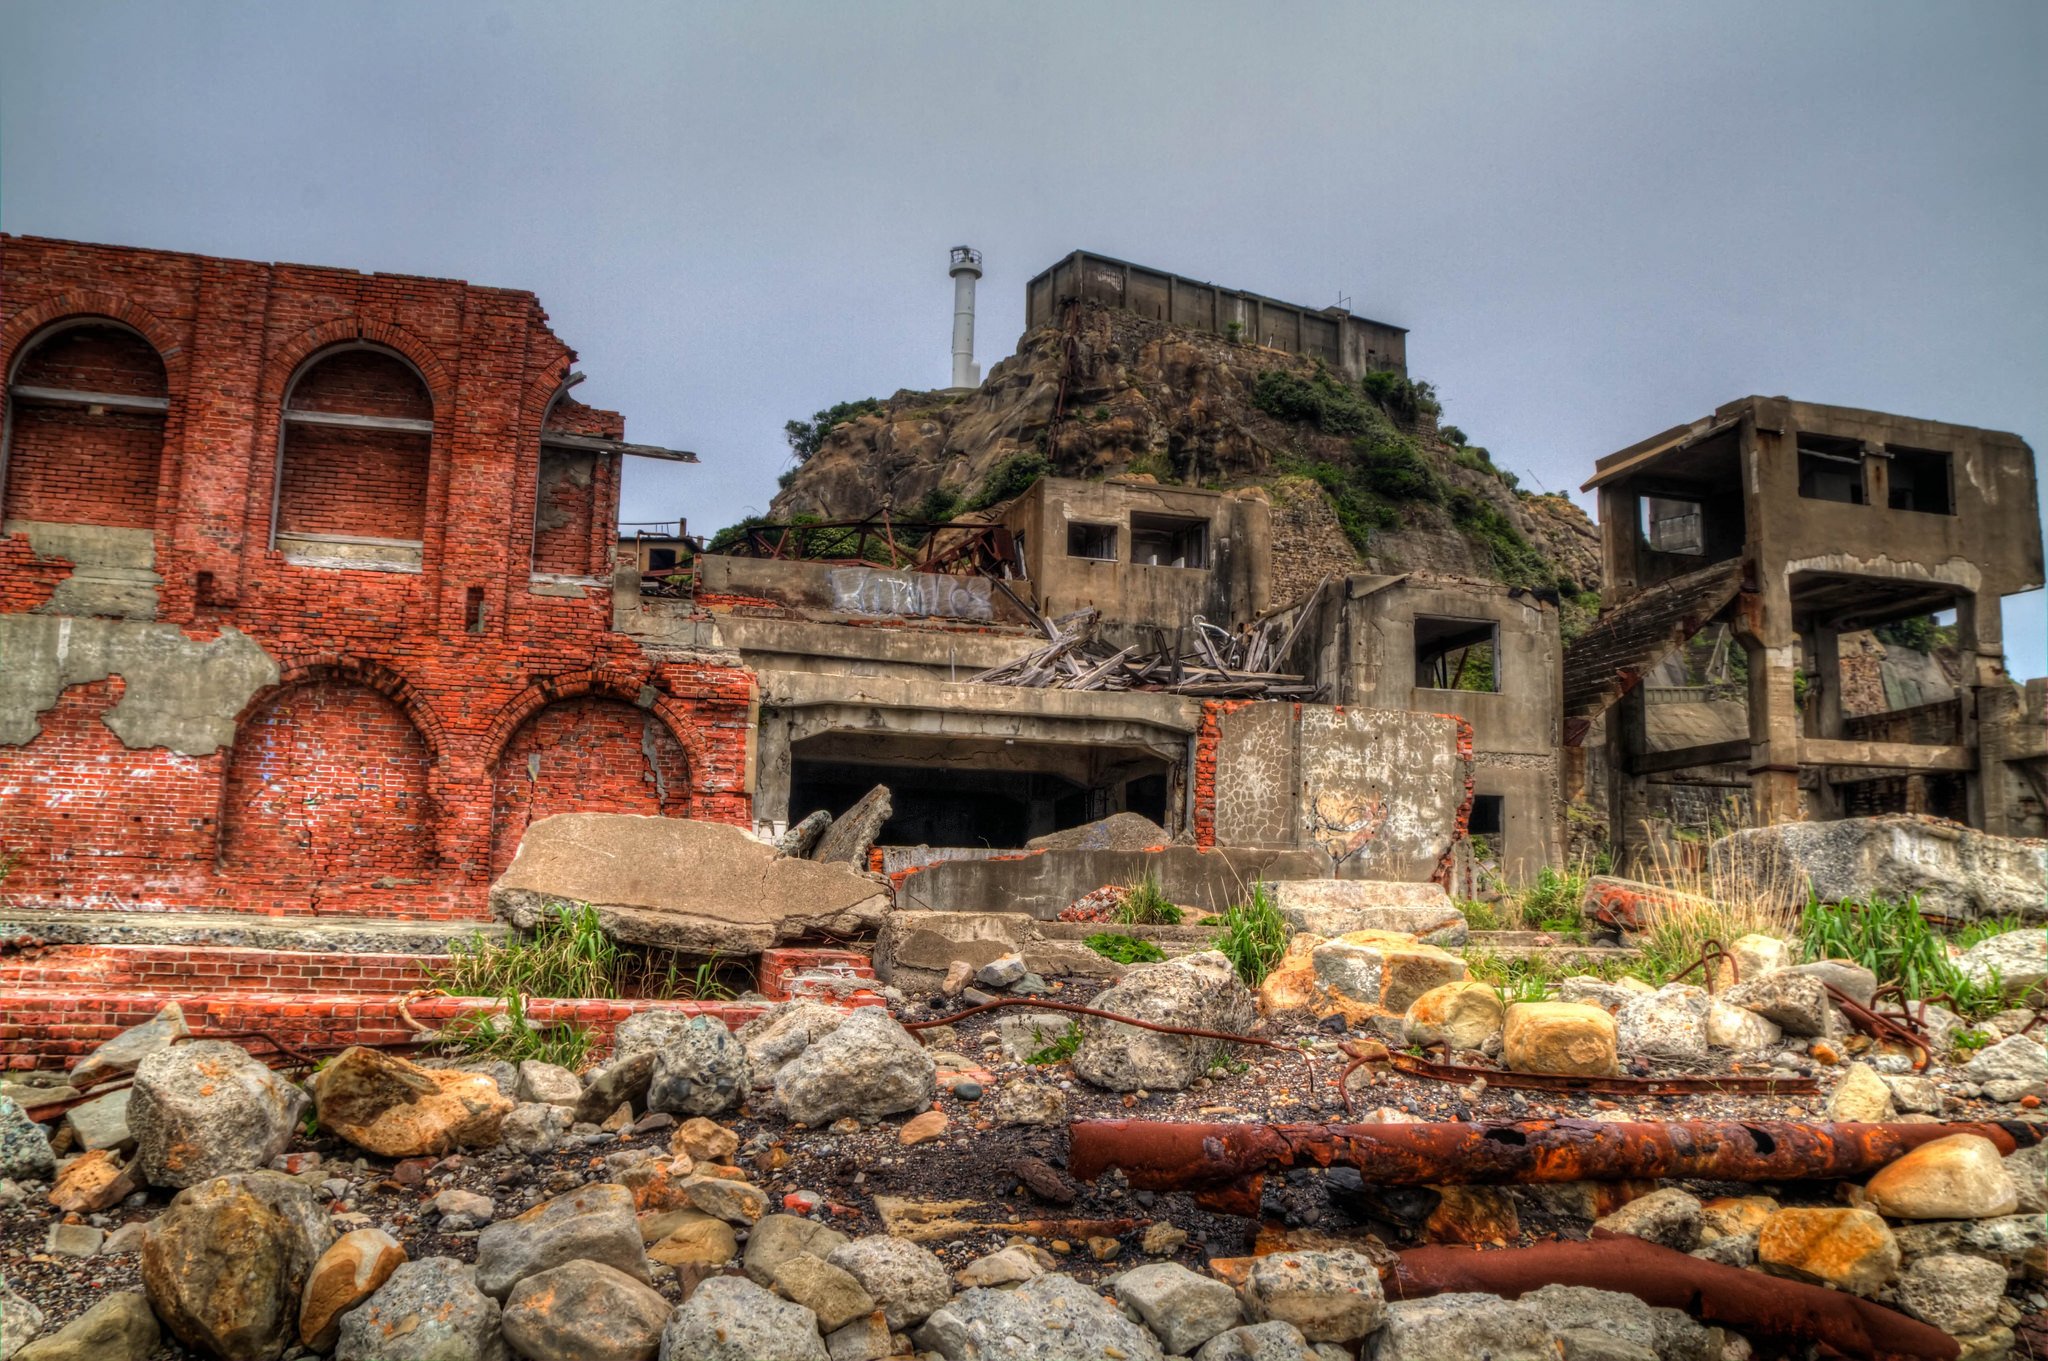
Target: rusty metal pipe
{"points": [[1225, 1163], [1748, 1301]]}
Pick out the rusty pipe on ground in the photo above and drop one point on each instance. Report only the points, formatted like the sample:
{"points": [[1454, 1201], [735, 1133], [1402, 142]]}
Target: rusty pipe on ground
{"points": [[1224, 1165], [1748, 1301]]}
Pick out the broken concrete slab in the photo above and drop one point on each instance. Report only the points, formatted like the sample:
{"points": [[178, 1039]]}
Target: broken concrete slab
{"points": [[915, 949], [1043, 883], [1336, 907], [1117, 832], [698, 887], [851, 835], [1955, 871]]}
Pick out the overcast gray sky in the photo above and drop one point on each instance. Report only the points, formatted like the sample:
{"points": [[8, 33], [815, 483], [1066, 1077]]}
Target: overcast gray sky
{"points": [[1597, 220]]}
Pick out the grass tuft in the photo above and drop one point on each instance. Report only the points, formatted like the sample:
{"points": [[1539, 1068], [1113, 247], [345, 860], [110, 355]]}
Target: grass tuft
{"points": [[510, 1036], [1123, 949], [1146, 904], [1253, 936], [1059, 1050]]}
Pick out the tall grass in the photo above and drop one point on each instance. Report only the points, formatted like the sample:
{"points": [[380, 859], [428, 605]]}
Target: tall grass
{"points": [[1253, 936], [1707, 907], [1893, 941], [1145, 904], [510, 1036], [567, 954]]}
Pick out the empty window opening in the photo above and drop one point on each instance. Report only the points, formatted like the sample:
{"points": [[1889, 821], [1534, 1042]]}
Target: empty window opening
{"points": [[661, 559], [1456, 654], [1489, 815], [1831, 469], [473, 610], [1091, 541], [1674, 526], [358, 427], [1921, 479], [1169, 541], [85, 428]]}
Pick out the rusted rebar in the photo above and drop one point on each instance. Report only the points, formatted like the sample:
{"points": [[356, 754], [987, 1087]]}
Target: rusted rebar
{"points": [[1225, 1165], [1750, 1302]]}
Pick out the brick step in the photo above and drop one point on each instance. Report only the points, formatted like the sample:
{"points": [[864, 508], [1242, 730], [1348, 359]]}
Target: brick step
{"points": [[820, 975], [370, 935], [208, 968]]}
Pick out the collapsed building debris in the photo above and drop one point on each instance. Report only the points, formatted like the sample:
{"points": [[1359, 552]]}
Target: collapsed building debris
{"points": [[1709, 1291], [1225, 1165]]}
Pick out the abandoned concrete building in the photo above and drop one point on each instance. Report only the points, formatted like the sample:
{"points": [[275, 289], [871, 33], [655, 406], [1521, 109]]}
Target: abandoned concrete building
{"points": [[312, 599], [1793, 524]]}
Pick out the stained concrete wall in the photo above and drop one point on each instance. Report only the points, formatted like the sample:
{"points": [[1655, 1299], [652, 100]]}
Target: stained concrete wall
{"points": [[179, 693], [1234, 586], [1043, 883], [1377, 794]]}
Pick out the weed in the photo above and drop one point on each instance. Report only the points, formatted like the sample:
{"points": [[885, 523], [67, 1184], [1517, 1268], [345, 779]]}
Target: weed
{"points": [[1145, 904], [1012, 477], [567, 954], [1229, 1063], [1975, 933], [510, 1036], [1480, 914], [1059, 1050], [1891, 939], [1969, 1041], [1555, 902], [1123, 949], [1253, 936]]}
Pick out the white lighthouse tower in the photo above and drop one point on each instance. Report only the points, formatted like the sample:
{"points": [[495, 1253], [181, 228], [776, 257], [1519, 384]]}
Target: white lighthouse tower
{"points": [[966, 268]]}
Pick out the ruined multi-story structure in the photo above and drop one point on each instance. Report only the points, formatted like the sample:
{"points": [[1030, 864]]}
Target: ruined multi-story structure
{"points": [[1796, 523]]}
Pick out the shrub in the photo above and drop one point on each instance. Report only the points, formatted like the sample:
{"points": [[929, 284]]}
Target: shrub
{"points": [[1123, 949], [1321, 401], [512, 1038], [1253, 937], [806, 437], [1555, 902], [1515, 560], [1893, 941], [1395, 468], [1012, 477]]}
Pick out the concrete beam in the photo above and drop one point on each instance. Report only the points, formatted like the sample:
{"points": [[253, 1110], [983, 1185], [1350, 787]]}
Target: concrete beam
{"points": [[1688, 758], [1887, 756]]}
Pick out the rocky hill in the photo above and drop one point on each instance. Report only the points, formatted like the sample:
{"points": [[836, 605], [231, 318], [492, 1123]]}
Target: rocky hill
{"points": [[1360, 476]]}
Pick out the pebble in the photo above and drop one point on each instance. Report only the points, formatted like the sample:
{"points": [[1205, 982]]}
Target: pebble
{"points": [[967, 1090]]}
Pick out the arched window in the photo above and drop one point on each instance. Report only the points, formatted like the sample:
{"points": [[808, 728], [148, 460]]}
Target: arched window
{"points": [[578, 479], [84, 429], [352, 461]]}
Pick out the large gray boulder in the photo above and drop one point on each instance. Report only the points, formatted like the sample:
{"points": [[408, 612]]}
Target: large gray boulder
{"points": [[2019, 960], [1201, 991], [905, 1281], [1955, 871], [1331, 1296], [118, 1328], [429, 1310], [596, 1224], [869, 1067], [1670, 1023], [782, 1032], [1335, 907], [1117, 832], [702, 1070], [584, 1310], [729, 1318], [226, 1265], [1183, 1308], [121, 1055], [25, 1153], [1052, 1318], [1460, 1325], [206, 1109], [699, 887], [1796, 1002]]}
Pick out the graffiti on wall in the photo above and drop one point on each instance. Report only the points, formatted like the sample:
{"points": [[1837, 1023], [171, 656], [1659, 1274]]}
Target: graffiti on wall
{"points": [[872, 590]]}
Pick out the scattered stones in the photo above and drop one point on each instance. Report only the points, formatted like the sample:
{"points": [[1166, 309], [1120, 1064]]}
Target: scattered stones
{"points": [[1162, 1238], [1052, 1318], [1459, 1016], [118, 1328], [1913, 1094], [595, 1223], [1667, 1217], [701, 1070], [869, 1066], [779, 1237], [586, 1311], [705, 1141], [101, 1122], [124, 1053], [429, 1310], [94, 1181], [1185, 1310], [1850, 1250], [2019, 959], [1002, 971], [1387, 970], [226, 1265], [534, 1127], [1740, 1029], [349, 1272], [550, 1083], [919, 1128], [1560, 1037], [73, 1240], [906, 1281], [1021, 1101], [2020, 1058], [1269, 1341], [1013, 1265], [729, 1318], [1329, 1296], [1861, 1096], [700, 1240], [462, 1210], [1959, 1177], [1794, 1001], [1463, 1325], [382, 1103], [1199, 990], [827, 1291], [866, 1339], [1670, 1023], [1957, 1294], [622, 1082], [1756, 955], [1845, 976], [735, 1202], [206, 1109]]}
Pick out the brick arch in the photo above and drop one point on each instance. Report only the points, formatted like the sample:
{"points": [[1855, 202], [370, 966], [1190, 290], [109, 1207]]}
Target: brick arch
{"points": [[289, 357], [593, 752], [81, 304], [619, 683], [296, 669], [73, 465], [329, 780]]}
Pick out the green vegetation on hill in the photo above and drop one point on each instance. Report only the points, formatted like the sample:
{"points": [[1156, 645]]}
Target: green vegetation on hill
{"points": [[805, 437]]}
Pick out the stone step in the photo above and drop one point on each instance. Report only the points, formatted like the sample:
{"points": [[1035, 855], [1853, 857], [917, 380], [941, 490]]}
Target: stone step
{"points": [[348, 935]]}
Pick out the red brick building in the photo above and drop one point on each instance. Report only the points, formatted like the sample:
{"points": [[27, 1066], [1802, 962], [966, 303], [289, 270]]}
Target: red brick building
{"points": [[304, 593]]}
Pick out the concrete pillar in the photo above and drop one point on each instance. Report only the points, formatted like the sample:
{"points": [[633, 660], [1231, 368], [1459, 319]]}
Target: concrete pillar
{"points": [[1764, 628], [1980, 639], [1627, 804], [1825, 692]]}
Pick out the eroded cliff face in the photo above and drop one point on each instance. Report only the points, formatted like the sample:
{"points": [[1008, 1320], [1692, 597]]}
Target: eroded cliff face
{"points": [[1113, 394]]}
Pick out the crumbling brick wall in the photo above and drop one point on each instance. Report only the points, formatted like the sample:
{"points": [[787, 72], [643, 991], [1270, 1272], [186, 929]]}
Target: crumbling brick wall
{"points": [[369, 778]]}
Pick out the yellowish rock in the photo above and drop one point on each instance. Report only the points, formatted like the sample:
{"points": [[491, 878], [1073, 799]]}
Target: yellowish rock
{"points": [[1560, 1037], [1851, 1250], [704, 1140], [1384, 969], [1960, 1177], [381, 1103], [1457, 1015], [1861, 1096], [704, 1241], [348, 1273], [919, 1128], [1734, 1216]]}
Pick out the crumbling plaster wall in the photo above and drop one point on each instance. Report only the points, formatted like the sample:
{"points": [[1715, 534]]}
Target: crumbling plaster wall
{"points": [[180, 693]]}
